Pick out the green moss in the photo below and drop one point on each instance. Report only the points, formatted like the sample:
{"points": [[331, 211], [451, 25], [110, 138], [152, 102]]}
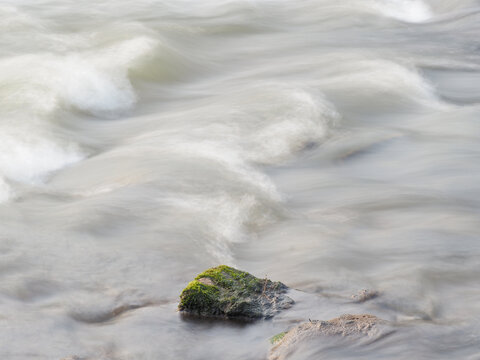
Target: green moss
{"points": [[226, 292], [198, 295], [227, 277], [275, 339]]}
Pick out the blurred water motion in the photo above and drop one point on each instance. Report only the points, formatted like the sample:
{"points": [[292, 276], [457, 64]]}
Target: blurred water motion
{"points": [[333, 146]]}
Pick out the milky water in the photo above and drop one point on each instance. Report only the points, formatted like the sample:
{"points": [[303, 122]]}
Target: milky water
{"points": [[332, 145]]}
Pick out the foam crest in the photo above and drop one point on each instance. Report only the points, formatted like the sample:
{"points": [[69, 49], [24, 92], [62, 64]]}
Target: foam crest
{"points": [[388, 82], [293, 120], [96, 82], [224, 219], [414, 11], [126, 54], [27, 157], [231, 157], [35, 86], [92, 89]]}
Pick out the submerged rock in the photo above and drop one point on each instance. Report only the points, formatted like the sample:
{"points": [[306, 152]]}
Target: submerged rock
{"points": [[230, 293], [365, 295], [287, 343]]}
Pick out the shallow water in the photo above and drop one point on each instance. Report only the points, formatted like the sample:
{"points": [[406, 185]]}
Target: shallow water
{"points": [[331, 145]]}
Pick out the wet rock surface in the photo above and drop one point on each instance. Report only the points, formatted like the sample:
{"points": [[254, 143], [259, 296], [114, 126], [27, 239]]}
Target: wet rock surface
{"points": [[365, 295], [226, 292], [285, 344]]}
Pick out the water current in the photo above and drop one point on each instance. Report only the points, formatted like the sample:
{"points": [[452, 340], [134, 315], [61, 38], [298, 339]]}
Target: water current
{"points": [[332, 145]]}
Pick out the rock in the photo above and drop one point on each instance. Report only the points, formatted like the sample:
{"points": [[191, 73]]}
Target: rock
{"points": [[365, 295], [230, 293], [287, 343]]}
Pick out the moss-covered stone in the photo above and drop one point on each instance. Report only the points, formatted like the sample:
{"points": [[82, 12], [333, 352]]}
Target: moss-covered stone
{"points": [[304, 335], [223, 291]]}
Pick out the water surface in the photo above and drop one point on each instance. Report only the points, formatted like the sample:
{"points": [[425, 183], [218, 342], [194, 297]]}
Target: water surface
{"points": [[331, 145]]}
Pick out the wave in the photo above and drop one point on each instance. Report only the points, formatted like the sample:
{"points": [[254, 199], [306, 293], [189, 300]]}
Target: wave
{"points": [[28, 154], [204, 161], [27, 157], [413, 11], [94, 81], [356, 80], [287, 120], [39, 88], [268, 124]]}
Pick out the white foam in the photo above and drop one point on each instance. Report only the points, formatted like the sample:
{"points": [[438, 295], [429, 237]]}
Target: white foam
{"points": [[414, 11], [27, 157], [228, 217], [92, 81], [35, 86], [294, 120], [389, 83], [90, 89], [98, 82], [223, 219], [227, 153]]}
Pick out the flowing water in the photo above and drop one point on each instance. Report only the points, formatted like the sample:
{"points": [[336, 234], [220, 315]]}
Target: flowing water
{"points": [[332, 145]]}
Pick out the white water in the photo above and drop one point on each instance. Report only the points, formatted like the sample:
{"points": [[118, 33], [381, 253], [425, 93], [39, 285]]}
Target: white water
{"points": [[331, 145]]}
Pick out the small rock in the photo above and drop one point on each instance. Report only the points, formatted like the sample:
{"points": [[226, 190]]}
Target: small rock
{"points": [[230, 293], [365, 295], [345, 325]]}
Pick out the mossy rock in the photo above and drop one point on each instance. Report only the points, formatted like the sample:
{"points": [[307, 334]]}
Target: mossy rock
{"points": [[226, 292], [301, 337]]}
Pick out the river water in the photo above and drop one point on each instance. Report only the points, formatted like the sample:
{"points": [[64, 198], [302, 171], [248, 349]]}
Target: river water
{"points": [[331, 145]]}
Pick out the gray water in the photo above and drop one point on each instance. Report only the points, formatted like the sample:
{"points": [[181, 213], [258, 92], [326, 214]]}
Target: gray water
{"points": [[332, 145]]}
